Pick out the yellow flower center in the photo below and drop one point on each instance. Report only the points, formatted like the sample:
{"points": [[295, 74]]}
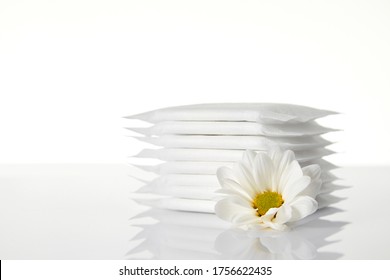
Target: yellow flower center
{"points": [[267, 200]]}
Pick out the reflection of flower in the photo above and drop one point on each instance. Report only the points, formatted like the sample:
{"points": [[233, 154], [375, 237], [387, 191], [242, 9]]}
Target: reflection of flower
{"points": [[239, 244], [268, 190]]}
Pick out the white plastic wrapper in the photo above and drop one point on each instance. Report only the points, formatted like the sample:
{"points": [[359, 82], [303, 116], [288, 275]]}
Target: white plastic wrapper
{"points": [[219, 155], [260, 143], [180, 204], [206, 181], [191, 192], [232, 128], [252, 112], [206, 167]]}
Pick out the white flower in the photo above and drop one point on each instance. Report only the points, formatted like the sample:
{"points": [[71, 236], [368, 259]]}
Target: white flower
{"points": [[268, 190]]}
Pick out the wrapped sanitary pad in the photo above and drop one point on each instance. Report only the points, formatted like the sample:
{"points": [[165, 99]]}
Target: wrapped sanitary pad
{"points": [[260, 143], [219, 154], [205, 167], [270, 113], [232, 128]]}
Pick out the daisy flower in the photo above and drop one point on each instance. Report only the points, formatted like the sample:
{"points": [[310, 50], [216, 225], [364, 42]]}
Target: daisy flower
{"points": [[268, 190]]}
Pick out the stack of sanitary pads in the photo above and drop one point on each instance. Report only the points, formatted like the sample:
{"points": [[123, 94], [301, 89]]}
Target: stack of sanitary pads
{"points": [[192, 142]]}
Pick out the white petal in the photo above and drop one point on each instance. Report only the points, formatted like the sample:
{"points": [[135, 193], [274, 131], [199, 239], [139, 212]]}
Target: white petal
{"points": [[227, 180], [277, 226], [230, 184], [284, 214], [258, 227], [245, 178], [244, 189], [295, 188], [233, 188], [263, 169], [243, 202], [267, 217], [302, 206], [269, 220], [313, 189], [248, 219], [229, 193], [291, 173], [225, 173], [282, 162], [313, 171], [248, 158], [275, 155], [229, 210]]}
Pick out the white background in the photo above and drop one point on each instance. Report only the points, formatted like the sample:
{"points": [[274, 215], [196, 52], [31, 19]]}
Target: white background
{"points": [[69, 70]]}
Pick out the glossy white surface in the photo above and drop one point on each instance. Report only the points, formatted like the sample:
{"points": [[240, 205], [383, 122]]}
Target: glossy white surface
{"points": [[65, 211]]}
